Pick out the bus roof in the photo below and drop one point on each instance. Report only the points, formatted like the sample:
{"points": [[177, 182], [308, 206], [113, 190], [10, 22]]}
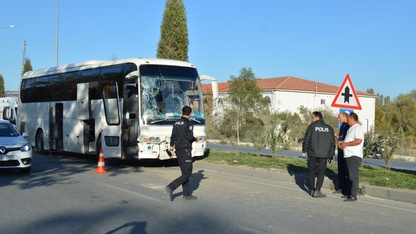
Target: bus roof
{"points": [[8, 99], [102, 63]]}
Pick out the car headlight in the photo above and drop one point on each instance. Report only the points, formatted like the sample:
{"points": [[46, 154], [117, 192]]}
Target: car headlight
{"points": [[26, 148]]}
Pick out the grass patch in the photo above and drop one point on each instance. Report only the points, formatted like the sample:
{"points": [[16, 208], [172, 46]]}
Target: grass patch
{"points": [[369, 175]]}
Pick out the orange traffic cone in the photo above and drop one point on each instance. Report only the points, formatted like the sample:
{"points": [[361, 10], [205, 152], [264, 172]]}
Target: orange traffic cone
{"points": [[101, 164]]}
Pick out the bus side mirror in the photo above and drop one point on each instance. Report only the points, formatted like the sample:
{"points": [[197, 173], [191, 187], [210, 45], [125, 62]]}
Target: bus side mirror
{"points": [[132, 75]]}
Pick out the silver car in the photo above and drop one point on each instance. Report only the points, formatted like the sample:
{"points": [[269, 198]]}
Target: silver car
{"points": [[15, 150]]}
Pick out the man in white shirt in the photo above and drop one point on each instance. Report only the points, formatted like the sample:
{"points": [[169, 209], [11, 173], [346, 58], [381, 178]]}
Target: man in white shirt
{"points": [[353, 153]]}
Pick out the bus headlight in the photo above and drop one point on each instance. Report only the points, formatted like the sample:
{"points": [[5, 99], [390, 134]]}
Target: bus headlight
{"points": [[151, 140]]}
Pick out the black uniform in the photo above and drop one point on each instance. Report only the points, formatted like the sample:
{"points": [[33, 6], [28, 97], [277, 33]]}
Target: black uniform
{"points": [[343, 179], [182, 138], [319, 143]]}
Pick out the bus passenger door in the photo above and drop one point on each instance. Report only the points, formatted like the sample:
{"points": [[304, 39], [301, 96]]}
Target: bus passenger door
{"points": [[85, 116], [130, 128], [83, 109], [111, 125]]}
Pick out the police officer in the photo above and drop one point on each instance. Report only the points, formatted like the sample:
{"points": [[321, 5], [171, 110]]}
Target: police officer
{"points": [[319, 145], [182, 138]]}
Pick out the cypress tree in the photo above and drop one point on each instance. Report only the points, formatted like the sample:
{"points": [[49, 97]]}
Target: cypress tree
{"points": [[173, 42], [27, 66], [2, 91]]}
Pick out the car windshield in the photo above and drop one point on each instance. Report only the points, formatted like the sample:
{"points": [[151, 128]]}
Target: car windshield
{"points": [[7, 130]]}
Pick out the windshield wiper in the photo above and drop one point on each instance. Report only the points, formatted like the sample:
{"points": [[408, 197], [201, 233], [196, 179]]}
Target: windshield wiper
{"points": [[159, 120], [171, 119], [195, 120]]}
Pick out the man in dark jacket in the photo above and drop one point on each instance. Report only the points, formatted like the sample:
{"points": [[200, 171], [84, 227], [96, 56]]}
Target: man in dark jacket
{"points": [[319, 145], [182, 138], [344, 183]]}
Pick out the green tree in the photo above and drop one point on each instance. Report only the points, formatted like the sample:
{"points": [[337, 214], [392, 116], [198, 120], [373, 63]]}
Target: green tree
{"points": [[27, 66], [384, 144], [210, 120], [274, 136], [388, 142], [370, 90], [245, 104], [413, 94], [173, 42], [397, 117], [404, 114], [369, 143], [292, 127], [2, 91], [258, 135], [404, 144]]}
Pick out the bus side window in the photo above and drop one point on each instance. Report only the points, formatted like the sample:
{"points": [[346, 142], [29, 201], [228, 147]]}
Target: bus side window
{"points": [[93, 90]]}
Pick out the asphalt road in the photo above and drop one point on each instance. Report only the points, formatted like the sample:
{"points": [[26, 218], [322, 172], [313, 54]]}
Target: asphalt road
{"points": [[64, 195], [402, 165]]}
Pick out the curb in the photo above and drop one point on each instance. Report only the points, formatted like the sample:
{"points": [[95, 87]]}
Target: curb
{"points": [[391, 193], [395, 157], [402, 195]]}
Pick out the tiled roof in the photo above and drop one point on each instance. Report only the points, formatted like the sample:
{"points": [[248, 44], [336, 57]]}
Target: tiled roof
{"points": [[287, 83]]}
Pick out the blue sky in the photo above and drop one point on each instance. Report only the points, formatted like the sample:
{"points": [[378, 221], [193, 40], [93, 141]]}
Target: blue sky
{"points": [[372, 40]]}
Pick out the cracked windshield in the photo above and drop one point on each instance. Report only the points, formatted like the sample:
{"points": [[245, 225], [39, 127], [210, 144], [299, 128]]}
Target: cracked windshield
{"points": [[165, 90]]}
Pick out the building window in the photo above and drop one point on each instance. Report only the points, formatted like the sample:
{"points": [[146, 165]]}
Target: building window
{"points": [[267, 99]]}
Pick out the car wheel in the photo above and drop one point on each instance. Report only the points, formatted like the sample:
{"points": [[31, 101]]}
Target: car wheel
{"points": [[25, 170], [39, 142]]}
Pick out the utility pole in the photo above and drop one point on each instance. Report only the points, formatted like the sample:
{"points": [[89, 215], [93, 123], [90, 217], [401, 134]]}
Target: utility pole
{"points": [[57, 30], [24, 54]]}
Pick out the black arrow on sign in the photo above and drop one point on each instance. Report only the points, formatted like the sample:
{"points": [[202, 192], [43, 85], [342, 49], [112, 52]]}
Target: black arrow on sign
{"points": [[347, 94]]}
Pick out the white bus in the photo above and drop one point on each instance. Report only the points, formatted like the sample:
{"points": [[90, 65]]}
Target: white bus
{"points": [[8, 109], [126, 107]]}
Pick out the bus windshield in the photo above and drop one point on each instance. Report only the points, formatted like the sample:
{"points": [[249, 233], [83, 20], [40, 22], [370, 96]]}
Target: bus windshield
{"points": [[165, 90]]}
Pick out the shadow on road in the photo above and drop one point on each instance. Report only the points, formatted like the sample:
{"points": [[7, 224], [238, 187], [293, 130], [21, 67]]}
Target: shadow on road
{"points": [[132, 227], [300, 175]]}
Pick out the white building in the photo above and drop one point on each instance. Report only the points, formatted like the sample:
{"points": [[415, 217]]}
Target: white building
{"points": [[289, 93]]}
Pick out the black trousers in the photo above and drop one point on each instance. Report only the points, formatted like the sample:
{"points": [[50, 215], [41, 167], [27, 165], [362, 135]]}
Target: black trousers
{"points": [[185, 163], [343, 180], [317, 167], [353, 165]]}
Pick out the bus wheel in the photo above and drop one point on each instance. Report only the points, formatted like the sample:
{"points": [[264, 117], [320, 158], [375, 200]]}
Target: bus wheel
{"points": [[39, 142]]}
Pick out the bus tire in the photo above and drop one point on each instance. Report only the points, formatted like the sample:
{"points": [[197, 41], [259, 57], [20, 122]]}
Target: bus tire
{"points": [[40, 148]]}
